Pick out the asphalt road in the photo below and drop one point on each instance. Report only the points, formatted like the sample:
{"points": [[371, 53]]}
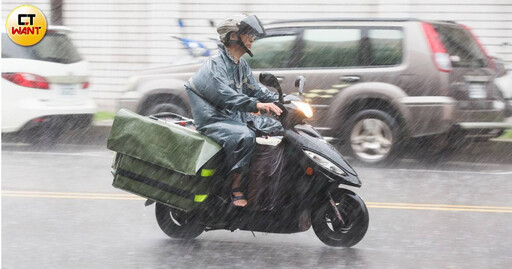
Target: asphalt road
{"points": [[59, 210]]}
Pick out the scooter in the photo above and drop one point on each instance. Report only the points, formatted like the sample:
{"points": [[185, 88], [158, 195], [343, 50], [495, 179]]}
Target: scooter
{"points": [[298, 177]]}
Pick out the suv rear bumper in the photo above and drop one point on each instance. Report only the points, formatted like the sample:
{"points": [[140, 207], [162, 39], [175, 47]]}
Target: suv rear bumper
{"points": [[430, 115]]}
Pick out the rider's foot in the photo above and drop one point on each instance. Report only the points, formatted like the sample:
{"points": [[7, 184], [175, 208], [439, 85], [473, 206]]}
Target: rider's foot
{"points": [[238, 198]]}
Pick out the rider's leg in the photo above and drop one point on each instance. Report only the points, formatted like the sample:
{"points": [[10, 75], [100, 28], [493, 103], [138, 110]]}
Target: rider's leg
{"points": [[238, 142], [237, 183]]}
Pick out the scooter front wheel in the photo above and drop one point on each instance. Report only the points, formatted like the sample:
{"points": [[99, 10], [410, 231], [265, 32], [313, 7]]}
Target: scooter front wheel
{"points": [[176, 223], [353, 224]]}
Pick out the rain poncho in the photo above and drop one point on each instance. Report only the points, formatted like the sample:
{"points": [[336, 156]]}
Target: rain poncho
{"points": [[222, 95]]}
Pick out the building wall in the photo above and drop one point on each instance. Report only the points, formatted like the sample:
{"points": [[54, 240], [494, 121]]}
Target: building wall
{"points": [[121, 37]]}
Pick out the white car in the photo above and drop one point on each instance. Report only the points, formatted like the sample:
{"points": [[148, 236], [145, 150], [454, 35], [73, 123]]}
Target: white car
{"points": [[44, 87]]}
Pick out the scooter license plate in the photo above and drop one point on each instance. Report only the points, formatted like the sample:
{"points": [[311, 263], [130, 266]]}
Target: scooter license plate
{"points": [[477, 91]]}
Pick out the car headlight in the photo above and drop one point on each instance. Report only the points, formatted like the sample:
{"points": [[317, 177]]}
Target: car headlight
{"points": [[325, 163], [304, 107]]}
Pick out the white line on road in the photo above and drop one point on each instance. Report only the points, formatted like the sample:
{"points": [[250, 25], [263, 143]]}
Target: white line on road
{"points": [[441, 171], [87, 154], [110, 154]]}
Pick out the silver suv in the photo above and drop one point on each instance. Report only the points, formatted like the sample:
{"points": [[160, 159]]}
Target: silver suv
{"points": [[374, 84]]}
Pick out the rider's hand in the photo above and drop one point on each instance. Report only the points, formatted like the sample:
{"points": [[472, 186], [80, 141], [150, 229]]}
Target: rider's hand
{"points": [[269, 107]]}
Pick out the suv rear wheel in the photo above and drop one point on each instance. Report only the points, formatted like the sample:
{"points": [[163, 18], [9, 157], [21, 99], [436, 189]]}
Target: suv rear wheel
{"points": [[373, 136]]}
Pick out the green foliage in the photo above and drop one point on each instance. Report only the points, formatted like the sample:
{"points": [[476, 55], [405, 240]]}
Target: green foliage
{"points": [[507, 134], [104, 115]]}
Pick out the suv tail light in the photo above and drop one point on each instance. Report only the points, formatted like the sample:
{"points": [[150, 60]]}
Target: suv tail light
{"points": [[85, 85], [440, 55], [490, 62], [27, 80]]}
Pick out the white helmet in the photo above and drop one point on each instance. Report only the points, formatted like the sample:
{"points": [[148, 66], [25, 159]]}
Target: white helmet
{"points": [[240, 24]]}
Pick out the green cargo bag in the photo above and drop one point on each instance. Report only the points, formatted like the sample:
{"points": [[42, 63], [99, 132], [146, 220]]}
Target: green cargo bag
{"points": [[162, 161]]}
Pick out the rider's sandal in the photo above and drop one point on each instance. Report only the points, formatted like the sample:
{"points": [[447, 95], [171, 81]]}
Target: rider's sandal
{"points": [[237, 197]]}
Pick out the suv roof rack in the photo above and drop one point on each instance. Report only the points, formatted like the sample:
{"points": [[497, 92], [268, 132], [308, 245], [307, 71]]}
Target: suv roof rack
{"points": [[343, 19]]}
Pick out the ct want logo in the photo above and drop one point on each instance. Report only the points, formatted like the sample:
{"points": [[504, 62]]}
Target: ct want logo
{"points": [[26, 25]]}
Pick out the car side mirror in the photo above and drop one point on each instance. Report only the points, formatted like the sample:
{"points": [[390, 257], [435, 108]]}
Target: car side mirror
{"points": [[270, 80], [299, 83]]}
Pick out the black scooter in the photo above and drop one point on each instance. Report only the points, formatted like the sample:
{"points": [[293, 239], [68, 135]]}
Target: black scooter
{"points": [[295, 184]]}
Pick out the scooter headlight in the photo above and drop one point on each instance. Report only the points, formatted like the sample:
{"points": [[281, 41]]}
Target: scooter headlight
{"points": [[323, 162], [304, 107]]}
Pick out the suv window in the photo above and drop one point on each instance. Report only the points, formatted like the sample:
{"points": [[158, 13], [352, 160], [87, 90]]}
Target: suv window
{"points": [[271, 52], [385, 46], [463, 50], [330, 47], [54, 47]]}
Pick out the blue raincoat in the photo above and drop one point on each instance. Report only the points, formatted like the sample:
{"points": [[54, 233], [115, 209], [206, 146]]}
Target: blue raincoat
{"points": [[222, 96]]}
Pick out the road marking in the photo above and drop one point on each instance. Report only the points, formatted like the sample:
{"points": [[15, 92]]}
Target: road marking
{"points": [[381, 205], [110, 154], [440, 207], [439, 171], [87, 154], [71, 195]]}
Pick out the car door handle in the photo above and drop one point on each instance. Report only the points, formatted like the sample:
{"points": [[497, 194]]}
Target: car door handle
{"points": [[280, 79], [350, 78]]}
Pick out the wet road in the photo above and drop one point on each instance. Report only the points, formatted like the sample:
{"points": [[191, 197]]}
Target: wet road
{"points": [[59, 210]]}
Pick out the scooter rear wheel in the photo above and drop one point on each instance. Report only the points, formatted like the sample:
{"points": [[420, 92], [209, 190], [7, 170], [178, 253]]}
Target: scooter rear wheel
{"points": [[333, 232], [176, 223]]}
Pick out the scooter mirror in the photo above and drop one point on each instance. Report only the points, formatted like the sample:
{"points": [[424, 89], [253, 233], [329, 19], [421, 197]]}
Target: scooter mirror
{"points": [[270, 80], [299, 83]]}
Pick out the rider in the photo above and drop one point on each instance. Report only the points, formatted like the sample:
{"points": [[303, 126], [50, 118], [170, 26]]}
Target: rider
{"points": [[223, 93]]}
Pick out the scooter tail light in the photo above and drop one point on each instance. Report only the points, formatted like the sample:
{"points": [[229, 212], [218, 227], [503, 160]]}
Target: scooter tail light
{"points": [[309, 171], [27, 80], [440, 55]]}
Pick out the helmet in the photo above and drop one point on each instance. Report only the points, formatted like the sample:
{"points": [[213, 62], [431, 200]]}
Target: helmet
{"points": [[240, 24]]}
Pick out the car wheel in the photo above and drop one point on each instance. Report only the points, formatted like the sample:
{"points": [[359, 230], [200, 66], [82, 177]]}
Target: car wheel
{"points": [[373, 137], [166, 107]]}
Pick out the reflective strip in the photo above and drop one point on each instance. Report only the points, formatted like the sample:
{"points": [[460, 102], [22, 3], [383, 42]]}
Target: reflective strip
{"points": [[427, 100], [154, 183], [199, 198], [207, 173]]}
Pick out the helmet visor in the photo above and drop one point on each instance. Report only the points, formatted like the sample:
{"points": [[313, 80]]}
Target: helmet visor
{"points": [[252, 26]]}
